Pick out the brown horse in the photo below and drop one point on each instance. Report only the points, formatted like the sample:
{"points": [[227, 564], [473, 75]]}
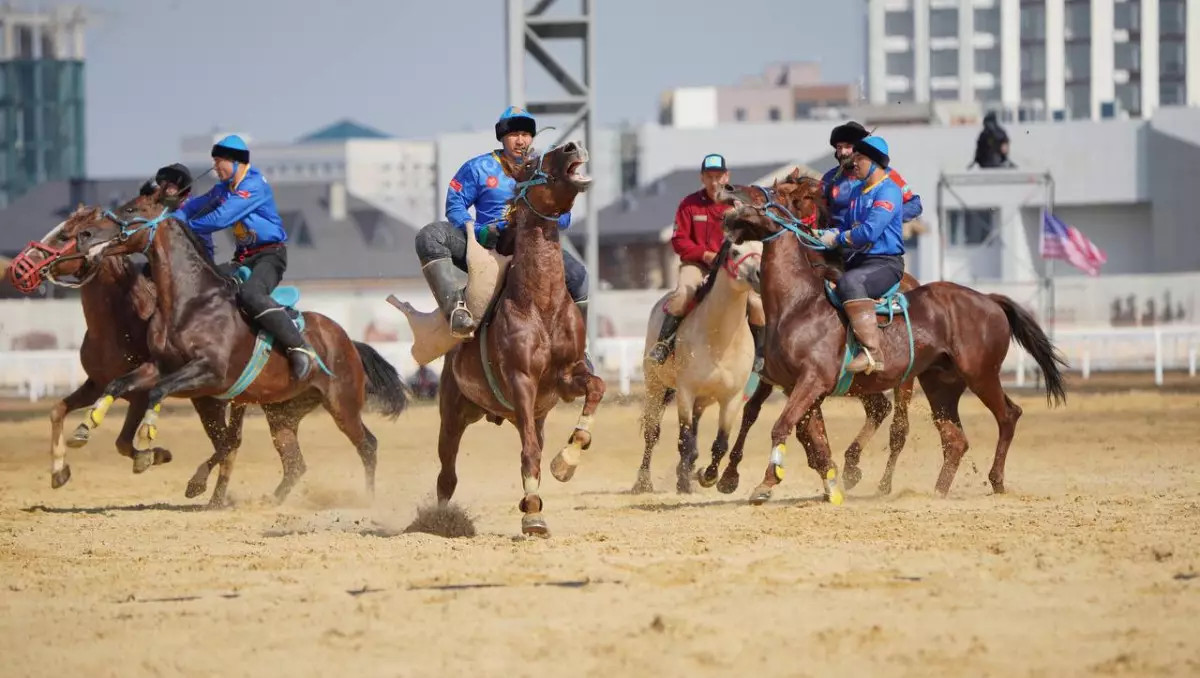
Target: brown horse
{"points": [[200, 343], [960, 339], [117, 301], [529, 352]]}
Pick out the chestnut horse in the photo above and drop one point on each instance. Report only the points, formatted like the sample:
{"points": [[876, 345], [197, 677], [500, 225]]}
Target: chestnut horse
{"points": [[117, 301], [529, 351], [200, 343], [959, 340]]}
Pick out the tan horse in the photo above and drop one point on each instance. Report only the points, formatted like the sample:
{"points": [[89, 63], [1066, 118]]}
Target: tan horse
{"points": [[711, 363]]}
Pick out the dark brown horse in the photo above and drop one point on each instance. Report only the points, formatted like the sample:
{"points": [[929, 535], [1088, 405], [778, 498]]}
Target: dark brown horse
{"points": [[534, 339], [117, 302], [200, 343], [960, 336]]}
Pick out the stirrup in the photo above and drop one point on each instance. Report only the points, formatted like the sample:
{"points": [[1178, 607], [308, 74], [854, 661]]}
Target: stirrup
{"points": [[462, 325], [872, 365]]}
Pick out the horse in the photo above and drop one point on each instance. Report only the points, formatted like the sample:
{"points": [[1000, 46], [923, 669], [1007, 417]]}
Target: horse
{"points": [[954, 338], [117, 302], [711, 362], [528, 352], [201, 345]]}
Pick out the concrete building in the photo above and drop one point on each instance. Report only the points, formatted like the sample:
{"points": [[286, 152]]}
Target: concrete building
{"points": [[396, 175], [41, 98], [783, 91], [1037, 59]]}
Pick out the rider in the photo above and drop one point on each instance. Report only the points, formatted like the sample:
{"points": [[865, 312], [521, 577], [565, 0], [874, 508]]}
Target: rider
{"points": [[697, 239], [243, 200], [840, 181], [176, 182], [872, 233], [486, 183]]}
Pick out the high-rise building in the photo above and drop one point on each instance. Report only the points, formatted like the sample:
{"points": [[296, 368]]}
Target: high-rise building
{"points": [[1037, 59], [41, 98]]}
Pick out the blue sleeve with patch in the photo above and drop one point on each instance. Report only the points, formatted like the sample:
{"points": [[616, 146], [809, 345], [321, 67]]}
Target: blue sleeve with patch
{"points": [[564, 222], [197, 206], [237, 206], [461, 195], [884, 202], [912, 208]]}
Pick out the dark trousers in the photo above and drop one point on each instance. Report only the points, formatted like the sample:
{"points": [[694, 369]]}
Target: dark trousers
{"points": [[869, 276], [441, 240], [254, 295]]}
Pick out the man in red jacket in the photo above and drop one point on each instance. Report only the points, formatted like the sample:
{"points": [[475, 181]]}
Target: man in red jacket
{"points": [[697, 238]]}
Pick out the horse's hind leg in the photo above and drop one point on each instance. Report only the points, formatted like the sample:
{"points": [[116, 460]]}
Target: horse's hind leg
{"points": [[562, 467], [654, 403], [877, 408], [223, 438], [1006, 413], [730, 478], [345, 403], [283, 419], [944, 388], [898, 434], [60, 471]]}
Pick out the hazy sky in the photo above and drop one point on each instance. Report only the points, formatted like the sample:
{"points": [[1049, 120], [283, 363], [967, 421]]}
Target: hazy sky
{"points": [[158, 70]]}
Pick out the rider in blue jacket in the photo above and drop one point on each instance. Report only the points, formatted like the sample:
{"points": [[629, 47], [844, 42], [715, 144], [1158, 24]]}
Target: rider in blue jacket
{"points": [[872, 234], [839, 182], [243, 200], [484, 182]]}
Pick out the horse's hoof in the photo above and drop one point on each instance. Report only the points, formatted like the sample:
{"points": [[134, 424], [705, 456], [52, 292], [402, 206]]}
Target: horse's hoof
{"points": [[998, 488], [885, 487], [534, 524], [79, 437], [760, 495], [142, 460], [643, 485], [683, 485], [728, 483], [217, 504], [60, 478], [162, 456], [708, 477], [851, 475], [196, 487], [563, 466]]}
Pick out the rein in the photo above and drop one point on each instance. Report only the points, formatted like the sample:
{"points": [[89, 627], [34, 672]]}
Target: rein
{"points": [[136, 225], [798, 227], [539, 178]]}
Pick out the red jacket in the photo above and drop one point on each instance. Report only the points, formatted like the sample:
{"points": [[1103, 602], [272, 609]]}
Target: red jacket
{"points": [[698, 227]]}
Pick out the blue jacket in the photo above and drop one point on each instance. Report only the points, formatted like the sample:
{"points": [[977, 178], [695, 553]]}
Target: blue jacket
{"points": [[244, 203], [481, 182], [838, 189], [873, 223]]}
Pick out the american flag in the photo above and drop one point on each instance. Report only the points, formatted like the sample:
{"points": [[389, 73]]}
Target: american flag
{"points": [[1060, 241]]}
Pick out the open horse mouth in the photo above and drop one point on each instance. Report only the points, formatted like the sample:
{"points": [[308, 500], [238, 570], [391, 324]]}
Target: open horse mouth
{"points": [[575, 173]]}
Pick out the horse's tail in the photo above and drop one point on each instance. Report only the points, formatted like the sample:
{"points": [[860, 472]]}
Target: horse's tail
{"points": [[387, 393], [1029, 334]]}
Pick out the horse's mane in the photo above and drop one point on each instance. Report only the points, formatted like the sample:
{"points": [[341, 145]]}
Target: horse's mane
{"points": [[711, 278], [809, 188]]}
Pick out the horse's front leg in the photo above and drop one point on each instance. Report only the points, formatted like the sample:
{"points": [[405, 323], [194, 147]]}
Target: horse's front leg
{"points": [[562, 467], [524, 396], [805, 393], [195, 375], [730, 478], [141, 378]]}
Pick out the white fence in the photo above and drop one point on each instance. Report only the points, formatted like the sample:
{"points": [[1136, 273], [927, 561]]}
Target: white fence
{"points": [[41, 374]]}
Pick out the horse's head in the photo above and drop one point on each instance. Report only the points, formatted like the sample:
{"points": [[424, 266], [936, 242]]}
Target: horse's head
{"points": [[124, 230], [54, 258], [761, 213], [743, 263], [547, 184]]}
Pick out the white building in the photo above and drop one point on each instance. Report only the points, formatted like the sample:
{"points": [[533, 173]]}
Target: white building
{"points": [[396, 175], [1037, 59]]}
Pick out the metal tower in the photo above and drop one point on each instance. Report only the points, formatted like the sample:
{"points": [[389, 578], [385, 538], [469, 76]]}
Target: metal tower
{"points": [[528, 29]]}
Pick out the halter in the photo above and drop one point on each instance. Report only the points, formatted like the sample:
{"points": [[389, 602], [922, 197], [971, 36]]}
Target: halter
{"points": [[732, 265], [539, 178], [137, 224], [790, 223]]}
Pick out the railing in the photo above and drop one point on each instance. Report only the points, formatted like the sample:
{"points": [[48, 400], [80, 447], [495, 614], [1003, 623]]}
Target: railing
{"points": [[41, 374]]}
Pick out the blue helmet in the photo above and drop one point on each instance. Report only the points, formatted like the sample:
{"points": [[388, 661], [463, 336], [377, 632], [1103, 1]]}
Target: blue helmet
{"points": [[515, 119], [233, 148], [874, 148]]}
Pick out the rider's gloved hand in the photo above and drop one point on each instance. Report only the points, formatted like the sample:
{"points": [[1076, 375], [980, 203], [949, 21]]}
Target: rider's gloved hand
{"points": [[829, 237], [488, 235]]}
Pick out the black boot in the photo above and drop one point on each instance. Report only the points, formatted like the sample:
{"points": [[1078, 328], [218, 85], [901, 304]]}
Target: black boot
{"points": [[442, 276], [300, 354], [759, 332], [666, 338]]}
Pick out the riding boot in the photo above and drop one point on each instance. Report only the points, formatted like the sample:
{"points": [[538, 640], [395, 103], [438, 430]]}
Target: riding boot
{"points": [[300, 354], [442, 276], [866, 329], [759, 332], [666, 338]]}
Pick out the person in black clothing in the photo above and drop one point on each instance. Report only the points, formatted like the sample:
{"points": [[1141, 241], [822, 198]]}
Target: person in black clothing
{"points": [[991, 148]]}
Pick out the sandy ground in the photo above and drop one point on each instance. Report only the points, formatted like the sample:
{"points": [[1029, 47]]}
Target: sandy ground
{"points": [[1088, 567]]}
